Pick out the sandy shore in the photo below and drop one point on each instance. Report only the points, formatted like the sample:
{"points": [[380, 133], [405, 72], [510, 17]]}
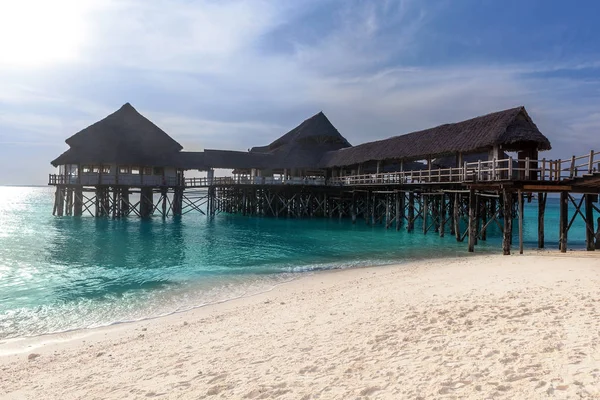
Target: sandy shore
{"points": [[519, 327]]}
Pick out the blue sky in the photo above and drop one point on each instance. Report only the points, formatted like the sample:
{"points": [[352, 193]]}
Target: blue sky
{"points": [[234, 74]]}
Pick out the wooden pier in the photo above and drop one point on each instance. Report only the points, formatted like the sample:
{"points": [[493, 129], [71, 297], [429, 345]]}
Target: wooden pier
{"points": [[372, 182]]}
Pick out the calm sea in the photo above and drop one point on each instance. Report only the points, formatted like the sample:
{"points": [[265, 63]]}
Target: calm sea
{"points": [[58, 274]]}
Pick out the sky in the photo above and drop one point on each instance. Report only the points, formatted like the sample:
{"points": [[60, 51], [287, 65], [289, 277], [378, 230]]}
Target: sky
{"points": [[232, 74]]}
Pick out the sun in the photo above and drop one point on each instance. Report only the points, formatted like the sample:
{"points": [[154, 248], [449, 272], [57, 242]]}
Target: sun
{"points": [[35, 33]]}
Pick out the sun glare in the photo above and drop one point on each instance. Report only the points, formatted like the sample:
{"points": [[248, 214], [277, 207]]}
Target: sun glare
{"points": [[35, 33]]}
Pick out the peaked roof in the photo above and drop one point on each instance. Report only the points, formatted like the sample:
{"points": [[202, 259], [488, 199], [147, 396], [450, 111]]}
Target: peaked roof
{"points": [[305, 145], [512, 129], [124, 136]]}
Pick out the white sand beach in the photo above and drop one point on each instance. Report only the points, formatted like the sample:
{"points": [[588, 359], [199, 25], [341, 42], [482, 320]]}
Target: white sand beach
{"points": [[517, 327]]}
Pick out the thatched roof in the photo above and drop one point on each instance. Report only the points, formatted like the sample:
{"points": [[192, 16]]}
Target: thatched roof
{"points": [[512, 129], [124, 137], [303, 146]]}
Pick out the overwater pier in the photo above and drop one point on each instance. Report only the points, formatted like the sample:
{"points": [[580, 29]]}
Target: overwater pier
{"points": [[456, 179]]}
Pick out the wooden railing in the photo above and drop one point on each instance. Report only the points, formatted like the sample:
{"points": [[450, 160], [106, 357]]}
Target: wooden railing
{"points": [[94, 179], [480, 171]]}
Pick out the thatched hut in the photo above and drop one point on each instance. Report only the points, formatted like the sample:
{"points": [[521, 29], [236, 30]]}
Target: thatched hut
{"points": [[125, 148], [494, 134]]}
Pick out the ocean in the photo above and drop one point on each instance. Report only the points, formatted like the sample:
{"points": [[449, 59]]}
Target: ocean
{"points": [[65, 273]]}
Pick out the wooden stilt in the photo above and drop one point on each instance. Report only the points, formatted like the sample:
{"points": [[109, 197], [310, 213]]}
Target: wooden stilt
{"points": [[398, 217], [589, 222], [457, 216], [508, 207], [541, 212], [78, 202], [353, 211], [402, 215], [484, 215], [520, 200], [472, 220], [424, 212], [564, 221], [442, 215], [410, 226]]}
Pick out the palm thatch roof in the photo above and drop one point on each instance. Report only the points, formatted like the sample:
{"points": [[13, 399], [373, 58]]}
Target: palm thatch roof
{"points": [[123, 137], [304, 146], [511, 129]]}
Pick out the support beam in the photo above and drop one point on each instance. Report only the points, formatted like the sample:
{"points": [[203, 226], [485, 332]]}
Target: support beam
{"points": [[541, 212], [410, 226], [457, 216], [564, 221], [589, 222], [520, 200], [508, 207], [472, 220]]}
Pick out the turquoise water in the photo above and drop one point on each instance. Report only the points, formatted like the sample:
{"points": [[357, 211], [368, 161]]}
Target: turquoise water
{"points": [[66, 273]]}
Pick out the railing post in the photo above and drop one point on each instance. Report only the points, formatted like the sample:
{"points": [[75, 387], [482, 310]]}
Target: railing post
{"points": [[527, 169], [543, 174], [465, 171], [572, 171], [591, 162], [479, 170], [510, 168]]}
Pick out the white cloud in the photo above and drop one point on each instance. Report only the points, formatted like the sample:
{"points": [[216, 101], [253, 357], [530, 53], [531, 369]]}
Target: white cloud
{"points": [[204, 60]]}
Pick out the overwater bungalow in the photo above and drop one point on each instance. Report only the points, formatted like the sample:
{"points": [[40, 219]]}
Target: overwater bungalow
{"points": [[477, 171]]}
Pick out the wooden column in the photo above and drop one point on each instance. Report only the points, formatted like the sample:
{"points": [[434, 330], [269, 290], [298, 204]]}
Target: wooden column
{"points": [[398, 195], [507, 236], [564, 221], [353, 211], [484, 214], [472, 220], [424, 211], [411, 212], [388, 213], [442, 214], [402, 215], [163, 192], [541, 211], [373, 205], [78, 202], [124, 201], [589, 222], [520, 200], [457, 216]]}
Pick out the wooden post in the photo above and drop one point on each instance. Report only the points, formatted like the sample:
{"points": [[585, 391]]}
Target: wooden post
{"points": [[507, 236], [164, 201], [589, 222], [520, 195], [541, 212], [353, 211], [457, 207], [424, 211], [411, 211], [78, 202], [564, 221], [125, 201], [472, 220], [483, 211], [388, 215], [442, 214], [373, 204], [451, 214], [398, 216]]}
